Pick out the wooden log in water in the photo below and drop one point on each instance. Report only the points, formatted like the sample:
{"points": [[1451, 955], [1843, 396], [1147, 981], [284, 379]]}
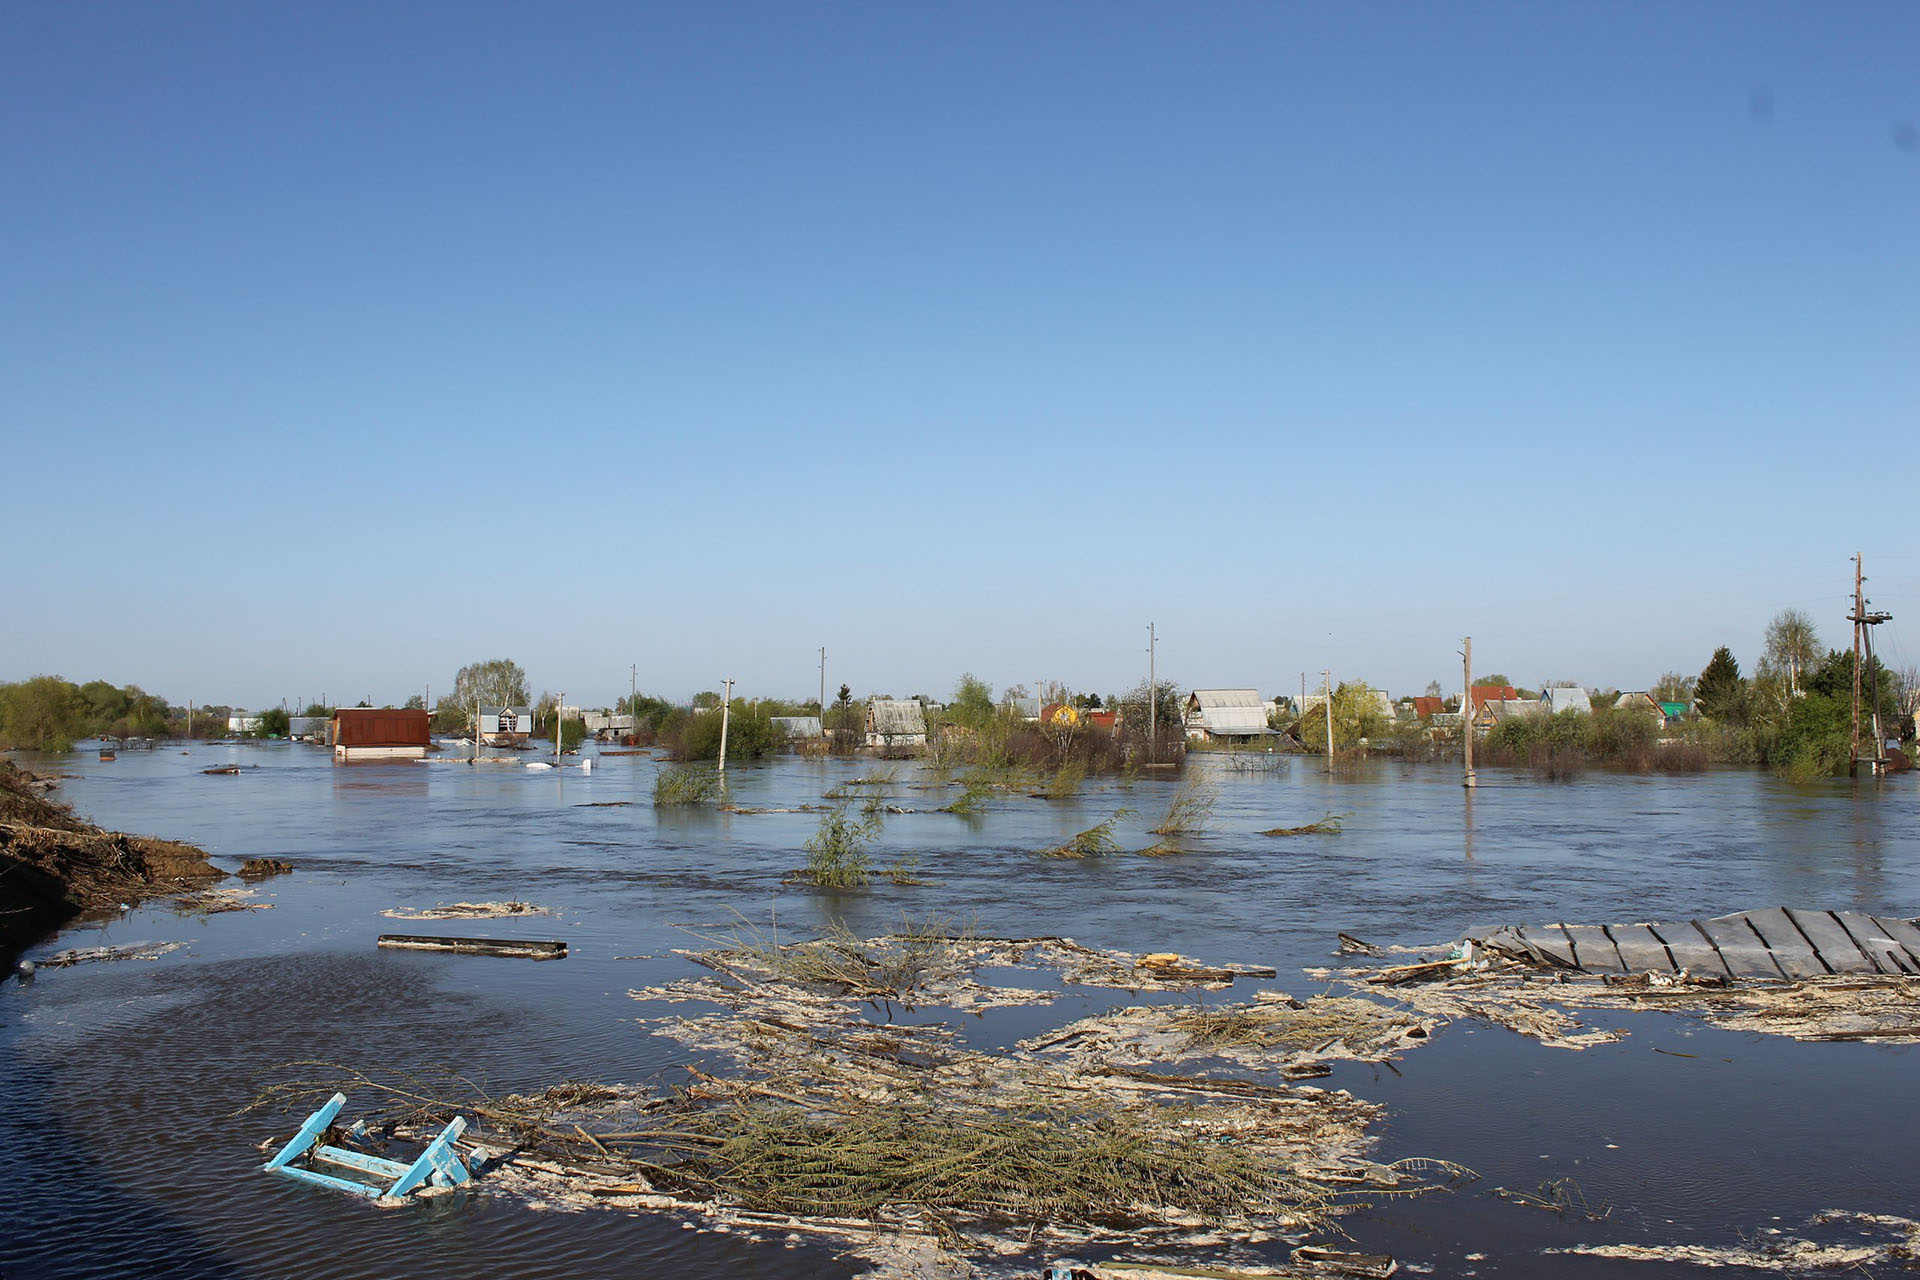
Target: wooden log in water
{"points": [[521, 948]]}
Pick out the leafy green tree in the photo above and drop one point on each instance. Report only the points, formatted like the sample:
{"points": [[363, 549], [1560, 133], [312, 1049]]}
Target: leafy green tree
{"points": [[844, 704], [1673, 687], [1792, 645], [45, 713], [415, 703], [1496, 681], [497, 682], [273, 724], [1718, 690], [1356, 715], [972, 706]]}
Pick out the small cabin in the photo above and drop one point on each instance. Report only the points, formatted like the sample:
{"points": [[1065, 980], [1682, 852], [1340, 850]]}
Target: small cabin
{"points": [[1226, 715], [506, 726], [896, 722], [379, 733]]}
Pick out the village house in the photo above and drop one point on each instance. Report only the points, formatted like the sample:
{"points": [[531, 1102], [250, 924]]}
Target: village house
{"points": [[895, 722], [1226, 715], [505, 726], [1425, 708], [1558, 700], [1493, 710], [379, 733], [1643, 703], [243, 721]]}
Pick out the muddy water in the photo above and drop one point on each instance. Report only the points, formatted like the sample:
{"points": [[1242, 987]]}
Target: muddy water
{"points": [[119, 1154]]}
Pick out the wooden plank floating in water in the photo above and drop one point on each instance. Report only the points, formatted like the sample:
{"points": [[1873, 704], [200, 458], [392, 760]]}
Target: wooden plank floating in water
{"points": [[1795, 955], [1641, 949], [1692, 950], [1904, 933], [1593, 949], [1838, 951], [1879, 946], [521, 948], [1745, 954]]}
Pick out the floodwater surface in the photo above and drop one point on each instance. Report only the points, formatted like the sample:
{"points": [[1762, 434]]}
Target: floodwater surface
{"points": [[121, 1153]]}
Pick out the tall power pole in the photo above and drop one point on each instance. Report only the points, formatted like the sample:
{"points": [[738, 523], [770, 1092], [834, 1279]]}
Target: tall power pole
{"points": [[823, 687], [726, 707], [633, 700], [1862, 620], [1466, 711], [1153, 699], [1328, 708]]}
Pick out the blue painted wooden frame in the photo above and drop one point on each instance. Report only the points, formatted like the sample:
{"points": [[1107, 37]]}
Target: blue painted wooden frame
{"points": [[439, 1164]]}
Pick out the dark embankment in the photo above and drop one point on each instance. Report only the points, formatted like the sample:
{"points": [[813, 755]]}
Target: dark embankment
{"points": [[53, 866]]}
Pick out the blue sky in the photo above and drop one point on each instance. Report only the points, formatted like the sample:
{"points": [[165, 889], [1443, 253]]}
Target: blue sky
{"points": [[342, 345]]}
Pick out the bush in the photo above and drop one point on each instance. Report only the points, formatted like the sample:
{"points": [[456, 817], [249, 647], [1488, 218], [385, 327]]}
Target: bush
{"points": [[837, 852], [677, 786], [751, 733]]}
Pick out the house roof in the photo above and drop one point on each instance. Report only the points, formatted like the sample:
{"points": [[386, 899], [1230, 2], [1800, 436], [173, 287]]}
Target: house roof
{"points": [[799, 726], [1563, 699], [1514, 708], [1483, 693], [1228, 711], [896, 716], [1425, 707]]}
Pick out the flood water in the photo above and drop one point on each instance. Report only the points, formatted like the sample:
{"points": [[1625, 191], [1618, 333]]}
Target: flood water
{"points": [[120, 1154]]}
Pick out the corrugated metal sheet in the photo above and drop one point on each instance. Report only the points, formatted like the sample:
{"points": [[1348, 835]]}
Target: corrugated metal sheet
{"points": [[379, 727], [1233, 712], [799, 726]]}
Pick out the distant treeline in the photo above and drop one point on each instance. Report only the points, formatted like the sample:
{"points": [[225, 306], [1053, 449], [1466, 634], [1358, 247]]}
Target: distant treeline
{"points": [[48, 713]]}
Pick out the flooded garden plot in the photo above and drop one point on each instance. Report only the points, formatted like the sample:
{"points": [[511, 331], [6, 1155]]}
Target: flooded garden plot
{"points": [[1063, 1008]]}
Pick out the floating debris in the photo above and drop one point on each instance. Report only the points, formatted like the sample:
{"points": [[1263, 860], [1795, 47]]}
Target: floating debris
{"points": [[127, 951], [260, 868], [468, 911], [1897, 1243], [518, 948], [1327, 826]]}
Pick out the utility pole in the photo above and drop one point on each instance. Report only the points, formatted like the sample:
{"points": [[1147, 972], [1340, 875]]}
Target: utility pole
{"points": [[1328, 708], [559, 701], [189, 718], [476, 728], [1153, 697], [1862, 620], [823, 688], [633, 700], [1466, 712], [726, 706]]}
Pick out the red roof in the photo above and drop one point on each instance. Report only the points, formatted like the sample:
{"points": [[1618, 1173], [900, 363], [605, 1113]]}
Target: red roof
{"points": [[1485, 693], [379, 727], [1426, 708]]}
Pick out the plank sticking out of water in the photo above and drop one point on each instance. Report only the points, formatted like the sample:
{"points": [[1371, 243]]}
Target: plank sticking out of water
{"points": [[1641, 949], [1903, 932], [1837, 949], [1877, 944], [1593, 949], [1740, 947], [1692, 950], [1789, 946], [525, 948], [1550, 940]]}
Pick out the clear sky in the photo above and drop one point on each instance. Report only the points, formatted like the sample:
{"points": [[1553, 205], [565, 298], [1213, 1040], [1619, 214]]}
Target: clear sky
{"points": [[343, 344]]}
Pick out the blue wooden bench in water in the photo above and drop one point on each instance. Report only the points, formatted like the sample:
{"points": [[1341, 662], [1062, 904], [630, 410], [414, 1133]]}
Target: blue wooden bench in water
{"points": [[438, 1165]]}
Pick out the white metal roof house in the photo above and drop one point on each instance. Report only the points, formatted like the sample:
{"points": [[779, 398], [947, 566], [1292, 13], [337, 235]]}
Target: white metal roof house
{"points": [[243, 721], [896, 722], [1226, 715], [1558, 700]]}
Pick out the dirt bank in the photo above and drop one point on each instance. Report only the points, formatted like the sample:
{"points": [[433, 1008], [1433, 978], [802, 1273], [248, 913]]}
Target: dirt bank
{"points": [[53, 865]]}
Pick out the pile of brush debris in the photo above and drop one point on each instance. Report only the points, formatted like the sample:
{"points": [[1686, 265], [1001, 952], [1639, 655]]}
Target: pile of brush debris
{"points": [[820, 1112]]}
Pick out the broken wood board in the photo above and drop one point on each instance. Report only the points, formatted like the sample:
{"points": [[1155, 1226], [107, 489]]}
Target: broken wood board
{"points": [[520, 948]]}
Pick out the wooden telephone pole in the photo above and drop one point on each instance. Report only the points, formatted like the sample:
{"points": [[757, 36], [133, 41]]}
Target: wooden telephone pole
{"points": [[1862, 621], [1466, 712]]}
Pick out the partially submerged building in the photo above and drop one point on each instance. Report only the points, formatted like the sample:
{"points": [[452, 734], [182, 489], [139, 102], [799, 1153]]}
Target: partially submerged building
{"points": [[896, 722], [309, 728], [505, 726], [379, 733], [1492, 711], [799, 728], [1226, 715], [243, 721]]}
